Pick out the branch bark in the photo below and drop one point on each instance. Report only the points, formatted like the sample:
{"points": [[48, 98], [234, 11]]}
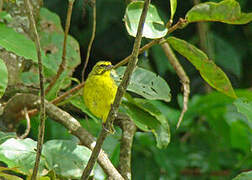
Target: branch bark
{"points": [[128, 131], [15, 105], [120, 92]]}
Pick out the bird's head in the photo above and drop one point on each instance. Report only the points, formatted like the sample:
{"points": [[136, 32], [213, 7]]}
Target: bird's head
{"points": [[102, 68]]}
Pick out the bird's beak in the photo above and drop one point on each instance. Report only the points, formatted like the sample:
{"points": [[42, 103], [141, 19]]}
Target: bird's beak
{"points": [[109, 67]]}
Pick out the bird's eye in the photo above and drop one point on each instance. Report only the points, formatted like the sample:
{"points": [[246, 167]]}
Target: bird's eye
{"points": [[102, 65]]}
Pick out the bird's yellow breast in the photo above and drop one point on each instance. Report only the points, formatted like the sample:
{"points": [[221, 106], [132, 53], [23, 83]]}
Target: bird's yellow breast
{"points": [[99, 93]]}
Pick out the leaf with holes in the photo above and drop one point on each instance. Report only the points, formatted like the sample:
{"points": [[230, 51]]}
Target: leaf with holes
{"points": [[146, 84], [154, 27]]}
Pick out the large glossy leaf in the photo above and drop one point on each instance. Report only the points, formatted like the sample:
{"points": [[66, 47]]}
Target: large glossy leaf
{"points": [[148, 118], [245, 108], [154, 27], [210, 72], [4, 77], [6, 135], [227, 11], [146, 84], [21, 154], [66, 157], [17, 43], [21, 45], [164, 132]]}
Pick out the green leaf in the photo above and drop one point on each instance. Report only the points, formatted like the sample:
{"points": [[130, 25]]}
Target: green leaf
{"points": [[6, 135], [20, 45], [245, 108], [244, 176], [148, 118], [164, 133], [147, 84], [20, 153], [227, 11], [154, 27], [173, 4], [66, 157], [4, 77], [17, 43], [209, 71]]}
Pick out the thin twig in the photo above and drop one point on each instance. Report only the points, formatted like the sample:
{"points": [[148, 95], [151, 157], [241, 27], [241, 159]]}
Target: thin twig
{"points": [[28, 124], [182, 75], [91, 40], [119, 94], [16, 104], [42, 93], [63, 61]]}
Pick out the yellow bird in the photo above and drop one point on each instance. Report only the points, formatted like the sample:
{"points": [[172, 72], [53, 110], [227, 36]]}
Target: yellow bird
{"points": [[100, 90]]}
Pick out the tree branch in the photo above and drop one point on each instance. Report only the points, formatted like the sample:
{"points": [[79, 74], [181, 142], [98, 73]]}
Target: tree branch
{"points": [[128, 131], [182, 75], [120, 92], [42, 93], [15, 105]]}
